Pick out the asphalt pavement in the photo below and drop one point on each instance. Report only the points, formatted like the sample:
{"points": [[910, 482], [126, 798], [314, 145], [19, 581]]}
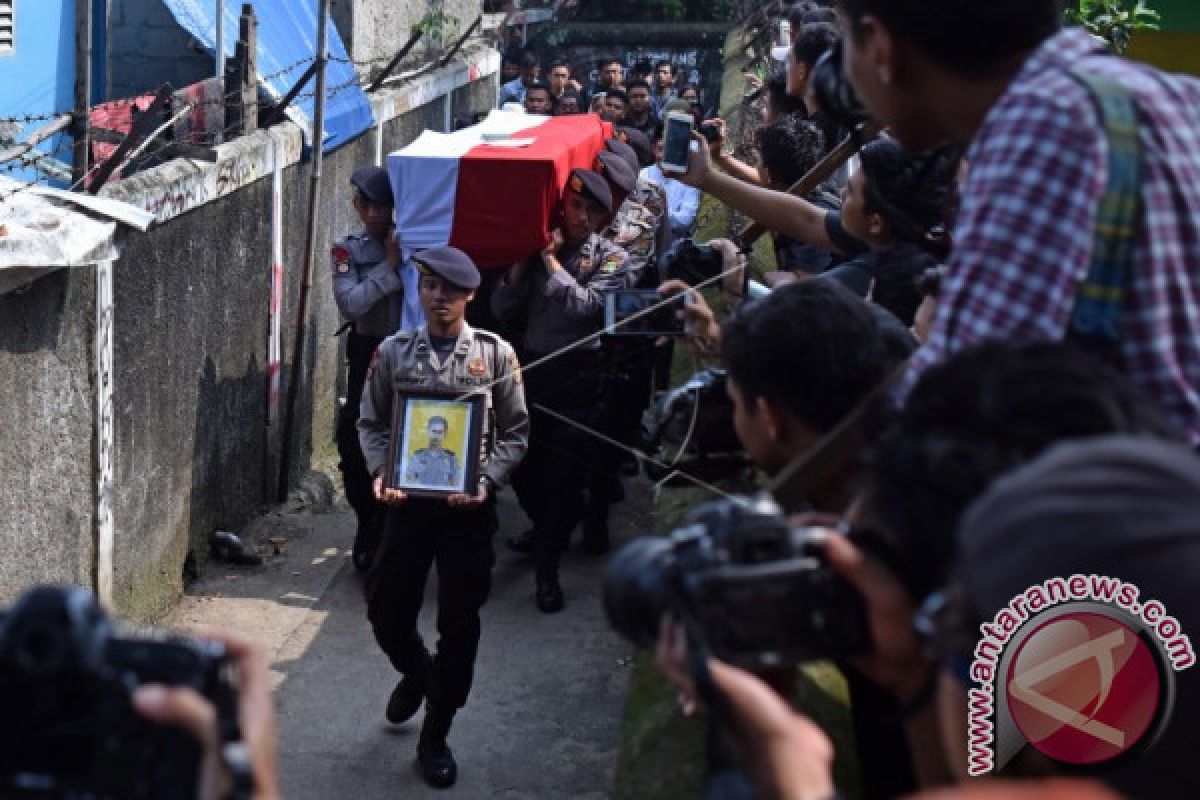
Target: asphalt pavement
{"points": [[544, 716]]}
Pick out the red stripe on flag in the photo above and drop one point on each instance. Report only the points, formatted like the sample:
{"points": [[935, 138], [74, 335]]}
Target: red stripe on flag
{"points": [[506, 197]]}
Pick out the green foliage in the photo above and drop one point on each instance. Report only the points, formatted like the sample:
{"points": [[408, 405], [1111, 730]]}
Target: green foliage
{"points": [[436, 25], [1113, 20]]}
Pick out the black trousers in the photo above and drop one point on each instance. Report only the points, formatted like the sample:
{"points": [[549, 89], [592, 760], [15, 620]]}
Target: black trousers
{"points": [[551, 479], [418, 535], [359, 352]]}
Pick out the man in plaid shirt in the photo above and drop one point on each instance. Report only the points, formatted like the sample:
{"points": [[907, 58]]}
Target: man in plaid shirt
{"points": [[994, 75]]}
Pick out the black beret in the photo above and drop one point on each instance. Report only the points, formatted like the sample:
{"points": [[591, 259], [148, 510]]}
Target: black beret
{"points": [[373, 182], [618, 173], [450, 264], [624, 151], [592, 186], [640, 143]]}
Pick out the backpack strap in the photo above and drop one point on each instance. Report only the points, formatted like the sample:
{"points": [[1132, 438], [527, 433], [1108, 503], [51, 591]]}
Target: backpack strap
{"points": [[1100, 299]]}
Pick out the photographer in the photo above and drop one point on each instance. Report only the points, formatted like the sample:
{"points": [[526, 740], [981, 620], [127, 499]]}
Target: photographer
{"points": [[1119, 506], [186, 709], [1045, 198], [894, 204]]}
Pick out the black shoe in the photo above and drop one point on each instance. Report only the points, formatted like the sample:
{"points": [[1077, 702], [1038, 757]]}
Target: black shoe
{"points": [[549, 595], [522, 543], [436, 764], [406, 698]]}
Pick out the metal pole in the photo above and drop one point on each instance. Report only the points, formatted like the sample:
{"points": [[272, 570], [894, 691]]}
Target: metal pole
{"points": [[221, 39], [220, 52], [310, 246], [83, 89]]}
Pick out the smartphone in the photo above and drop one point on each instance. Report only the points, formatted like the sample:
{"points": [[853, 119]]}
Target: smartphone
{"points": [[677, 141], [625, 313]]}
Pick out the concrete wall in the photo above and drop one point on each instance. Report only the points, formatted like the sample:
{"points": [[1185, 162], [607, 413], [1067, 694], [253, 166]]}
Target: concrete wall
{"points": [[374, 30], [192, 307], [46, 452]]}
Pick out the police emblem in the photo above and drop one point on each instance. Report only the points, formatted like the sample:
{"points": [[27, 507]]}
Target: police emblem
{"points": [[611, 264], [576, 184], [341, 259], [476, 367]]}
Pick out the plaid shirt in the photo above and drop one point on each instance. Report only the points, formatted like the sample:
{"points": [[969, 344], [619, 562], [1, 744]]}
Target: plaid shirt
{"points": [[1023, 241]]}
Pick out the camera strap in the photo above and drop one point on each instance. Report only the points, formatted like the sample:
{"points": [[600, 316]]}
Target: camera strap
{"points": [[1100, 297]]}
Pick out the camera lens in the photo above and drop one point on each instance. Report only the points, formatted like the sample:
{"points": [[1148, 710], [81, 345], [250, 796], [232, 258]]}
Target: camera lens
{"points": [[834, 94], [636, 593], [40, 649]]}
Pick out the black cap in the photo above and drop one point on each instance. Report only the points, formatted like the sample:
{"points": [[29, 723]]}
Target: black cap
{"points": [[374, 184], [592, 186], [624, 151], [614, 168], [640, 143], [450, 264]]}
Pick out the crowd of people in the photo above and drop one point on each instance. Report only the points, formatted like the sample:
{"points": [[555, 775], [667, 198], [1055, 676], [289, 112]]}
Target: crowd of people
{"points": [[986, 327]]}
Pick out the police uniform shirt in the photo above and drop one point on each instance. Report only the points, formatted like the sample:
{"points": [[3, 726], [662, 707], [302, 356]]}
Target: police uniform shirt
{"points": [[569, 305], [638, 227], [368, 291], [480, 362], [431, 467]]}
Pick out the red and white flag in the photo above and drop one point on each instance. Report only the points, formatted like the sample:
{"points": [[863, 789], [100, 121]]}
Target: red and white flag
{"points": [[490, 189]]}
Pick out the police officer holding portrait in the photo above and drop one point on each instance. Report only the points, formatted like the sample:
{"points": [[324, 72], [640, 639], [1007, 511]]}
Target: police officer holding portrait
{"points": [[370, 296], [557, 300], [455, 533]]}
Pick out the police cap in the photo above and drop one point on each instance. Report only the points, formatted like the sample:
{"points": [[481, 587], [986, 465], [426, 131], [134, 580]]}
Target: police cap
{"points": [[624, 151], [374, 184], [450, 264], [620, 177], [592, 186], [640, 143]]}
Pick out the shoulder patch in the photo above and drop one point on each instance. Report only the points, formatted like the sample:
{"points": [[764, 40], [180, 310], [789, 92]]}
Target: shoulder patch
{"points": [[341, 259], [515, 365], [612, 263]]}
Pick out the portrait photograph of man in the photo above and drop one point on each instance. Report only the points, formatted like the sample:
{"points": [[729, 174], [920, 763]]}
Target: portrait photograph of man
{"points": [[434, 445]]}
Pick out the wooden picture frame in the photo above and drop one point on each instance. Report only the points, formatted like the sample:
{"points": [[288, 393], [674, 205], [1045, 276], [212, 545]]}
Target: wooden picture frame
{"points": [[435, 442]]}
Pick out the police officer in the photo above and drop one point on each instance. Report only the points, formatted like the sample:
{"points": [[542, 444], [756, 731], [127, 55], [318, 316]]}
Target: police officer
{"points": [[370, 296], [434, 465], [446, 355], [559, 297]]}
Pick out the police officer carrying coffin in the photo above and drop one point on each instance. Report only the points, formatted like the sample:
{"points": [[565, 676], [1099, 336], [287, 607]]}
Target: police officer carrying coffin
{"points": [[370, 296], [560, 296], [448, 355]]}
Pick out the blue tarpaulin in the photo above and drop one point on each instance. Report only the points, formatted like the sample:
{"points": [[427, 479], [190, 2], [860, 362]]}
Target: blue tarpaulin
{"points": [[287, 45]]}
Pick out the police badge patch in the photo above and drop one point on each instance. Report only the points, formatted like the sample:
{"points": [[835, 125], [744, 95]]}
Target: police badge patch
{"points": [[341, 259]]}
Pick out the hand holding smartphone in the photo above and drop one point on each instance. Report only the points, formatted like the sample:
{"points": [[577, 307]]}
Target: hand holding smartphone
{"points": [[677, 142]]}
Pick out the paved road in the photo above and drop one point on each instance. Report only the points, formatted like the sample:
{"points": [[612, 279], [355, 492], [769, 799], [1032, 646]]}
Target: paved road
{"points": [[544, 716]]}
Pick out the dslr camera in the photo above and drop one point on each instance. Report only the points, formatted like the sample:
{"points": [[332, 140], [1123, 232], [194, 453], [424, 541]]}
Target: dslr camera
{"points": [[691, 263], [834, 93], [68, 730], [752, 589]]}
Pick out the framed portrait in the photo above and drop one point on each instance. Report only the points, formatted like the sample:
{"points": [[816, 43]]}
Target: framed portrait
{"points": [[435, 444]]}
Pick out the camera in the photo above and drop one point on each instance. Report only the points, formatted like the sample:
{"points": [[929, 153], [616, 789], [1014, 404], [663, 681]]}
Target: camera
{"points": [[834, 93], [692, 263], [67, 725], [710, 132], [695, 422], [748, 586]]}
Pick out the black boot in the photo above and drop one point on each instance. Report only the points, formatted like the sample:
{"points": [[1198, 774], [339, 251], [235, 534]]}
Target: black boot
{"points": [[435, 762], [409, 693], [548, 594]]}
